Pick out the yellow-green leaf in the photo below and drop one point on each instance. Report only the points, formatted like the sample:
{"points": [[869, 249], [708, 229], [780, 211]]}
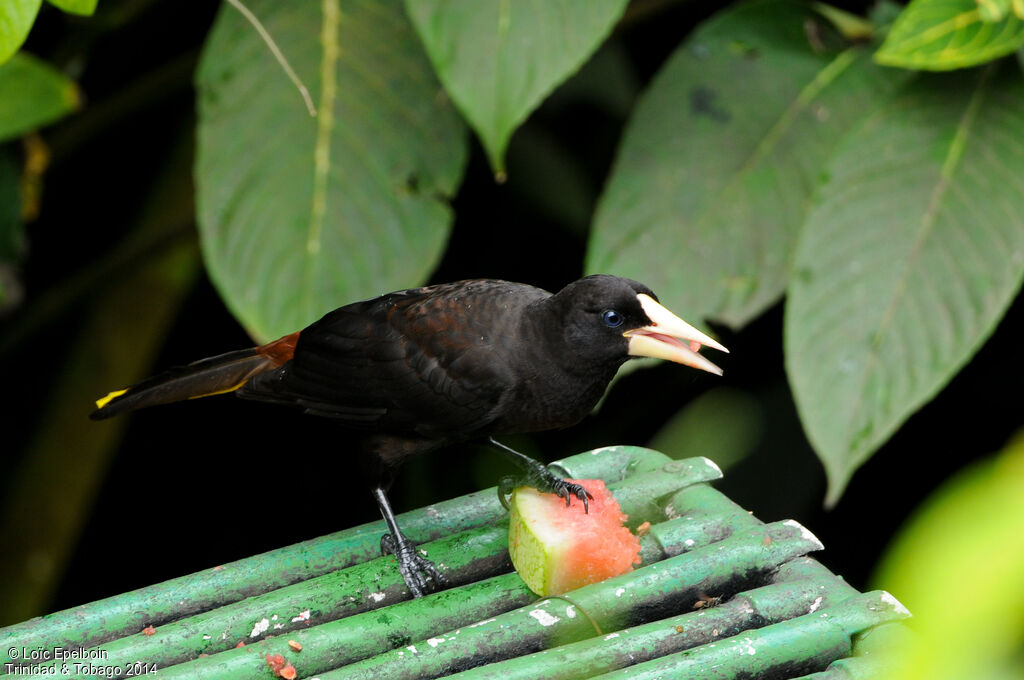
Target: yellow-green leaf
{"points": [[16, 19], [940, 35]]}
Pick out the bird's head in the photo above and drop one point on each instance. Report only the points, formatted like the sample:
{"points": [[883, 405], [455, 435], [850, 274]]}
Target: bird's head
{"points": [[621, 317]]}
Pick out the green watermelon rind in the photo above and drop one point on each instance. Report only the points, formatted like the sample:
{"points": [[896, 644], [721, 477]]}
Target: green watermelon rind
{"points": [[546, 546], [530, 556]]}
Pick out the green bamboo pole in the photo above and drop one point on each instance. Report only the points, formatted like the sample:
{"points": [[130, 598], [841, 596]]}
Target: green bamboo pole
{"points": [[464, 558], [649, 592], [807, 643], [345, 641], [585, 659], [721, 517], [810, 569], [129, 613], [614, 463], [876, 654], [799, 586], [704, 501]]}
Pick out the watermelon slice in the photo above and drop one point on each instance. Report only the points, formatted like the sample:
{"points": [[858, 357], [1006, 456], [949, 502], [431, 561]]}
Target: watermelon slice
{"points": [[556, 548]]}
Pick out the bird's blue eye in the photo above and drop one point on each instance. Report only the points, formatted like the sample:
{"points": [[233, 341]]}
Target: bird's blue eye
{"points": [[612, 319]]}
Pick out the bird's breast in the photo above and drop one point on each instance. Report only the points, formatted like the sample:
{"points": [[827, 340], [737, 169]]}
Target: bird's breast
{"points": [[545, 401]]}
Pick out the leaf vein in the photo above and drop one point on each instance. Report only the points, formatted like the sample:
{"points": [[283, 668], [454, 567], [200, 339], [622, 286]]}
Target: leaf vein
{"points": [[953, 156], [322, 147]]}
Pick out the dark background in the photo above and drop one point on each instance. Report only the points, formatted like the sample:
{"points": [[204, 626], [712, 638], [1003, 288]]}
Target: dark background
{"points": [[202, 483]]}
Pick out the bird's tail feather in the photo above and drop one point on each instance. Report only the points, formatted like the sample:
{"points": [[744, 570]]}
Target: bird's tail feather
{"points": [[203, 378]]}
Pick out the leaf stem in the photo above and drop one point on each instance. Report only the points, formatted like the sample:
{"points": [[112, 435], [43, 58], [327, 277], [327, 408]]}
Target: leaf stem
{"points": [[276, 51]]}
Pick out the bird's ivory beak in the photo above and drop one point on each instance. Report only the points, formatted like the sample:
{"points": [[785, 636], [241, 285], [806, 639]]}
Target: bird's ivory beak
{"points": [[669, 337]]}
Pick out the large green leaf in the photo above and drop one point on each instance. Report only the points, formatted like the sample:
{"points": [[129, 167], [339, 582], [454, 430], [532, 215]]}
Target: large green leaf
{"points": [[16, 19], [940, 35], [720, 158], [499, 59], [32, 94], [911, 254], [299, 215]]}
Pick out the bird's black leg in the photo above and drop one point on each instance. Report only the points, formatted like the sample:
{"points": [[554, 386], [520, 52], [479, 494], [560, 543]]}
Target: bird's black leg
{"points": [[539, 475], [419, 573]]}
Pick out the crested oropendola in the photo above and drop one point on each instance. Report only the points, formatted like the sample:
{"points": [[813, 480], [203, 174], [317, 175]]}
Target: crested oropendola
{"points": [[415, 370]]}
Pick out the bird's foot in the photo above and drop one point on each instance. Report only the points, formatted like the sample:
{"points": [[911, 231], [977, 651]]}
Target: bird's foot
{"points": [[539, 476], [420, 574], [567, 490], [547, 482]]}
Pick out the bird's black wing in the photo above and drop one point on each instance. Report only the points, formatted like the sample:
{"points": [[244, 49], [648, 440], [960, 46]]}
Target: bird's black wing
{"points": [[428, 361]]}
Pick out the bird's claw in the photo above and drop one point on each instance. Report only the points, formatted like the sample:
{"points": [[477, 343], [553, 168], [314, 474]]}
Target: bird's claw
{"points": [[420, 574], [506, 485], [560, 487], [567, 490], [542, 477]]}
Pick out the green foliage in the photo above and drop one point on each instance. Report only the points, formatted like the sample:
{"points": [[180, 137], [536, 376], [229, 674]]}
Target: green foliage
{"points": [[996, 10], [32, 94], [16, 19], [499, 59], [720, 157], [907, 260], [771, 155], [297, 213], [35, 94], [940, 35], [957, 566]]}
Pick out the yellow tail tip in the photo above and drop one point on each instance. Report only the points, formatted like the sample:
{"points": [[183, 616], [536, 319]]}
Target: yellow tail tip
{"points": [[103, 401]]}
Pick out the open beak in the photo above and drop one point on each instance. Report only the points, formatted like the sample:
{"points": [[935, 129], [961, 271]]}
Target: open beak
{"points": [[669, 337]]}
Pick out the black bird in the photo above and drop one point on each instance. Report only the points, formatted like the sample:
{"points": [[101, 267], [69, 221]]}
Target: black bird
{"points": [[415, 370]]}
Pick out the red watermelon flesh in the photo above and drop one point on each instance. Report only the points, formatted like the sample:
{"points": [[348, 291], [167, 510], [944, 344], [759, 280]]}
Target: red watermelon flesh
{"points": [[556, 548]]}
